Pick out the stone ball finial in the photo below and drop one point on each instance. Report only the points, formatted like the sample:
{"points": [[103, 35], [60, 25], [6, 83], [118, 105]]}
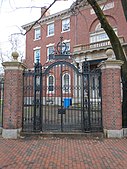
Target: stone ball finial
{"points": [[15, 55], [110, 54]]}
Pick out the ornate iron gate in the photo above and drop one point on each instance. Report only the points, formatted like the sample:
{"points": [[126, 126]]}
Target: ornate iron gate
{"points": [[62, 98], [62, 93], [92, 104]]}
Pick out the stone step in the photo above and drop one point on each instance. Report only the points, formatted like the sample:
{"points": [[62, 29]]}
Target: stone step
{"points": [[76, 135]]}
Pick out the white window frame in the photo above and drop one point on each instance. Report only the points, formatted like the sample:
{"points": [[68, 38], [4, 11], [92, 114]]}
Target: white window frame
{"points": [[50, 28], [67, 42], [37, 33], [68, 47], [66, 24], [99, 35], [48, 53], [63, 80], [49, 85], [37, 51]]}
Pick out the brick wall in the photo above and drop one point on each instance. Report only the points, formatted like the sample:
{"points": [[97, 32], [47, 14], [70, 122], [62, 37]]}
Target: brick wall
{"points": [[111, 94], [13, 95], [13, 99]]}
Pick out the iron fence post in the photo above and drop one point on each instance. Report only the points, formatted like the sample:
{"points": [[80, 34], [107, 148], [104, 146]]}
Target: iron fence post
{"points": [[37, 96], [86, 95]]}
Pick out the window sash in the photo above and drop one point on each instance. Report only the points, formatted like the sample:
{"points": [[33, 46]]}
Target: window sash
{"points": [[50, 50], [51, 29], [99, 36], [50, 83], [36, 55], [67, 50], [66, 24], [67, 47], [37, 33], [66, 83]]}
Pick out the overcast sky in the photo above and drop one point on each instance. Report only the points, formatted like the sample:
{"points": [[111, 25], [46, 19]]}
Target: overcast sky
{"points": [[15, 13]]}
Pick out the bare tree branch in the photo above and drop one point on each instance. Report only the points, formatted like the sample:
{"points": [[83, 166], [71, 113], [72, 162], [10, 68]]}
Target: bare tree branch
{"points": [[41, 16], [26, 7]]}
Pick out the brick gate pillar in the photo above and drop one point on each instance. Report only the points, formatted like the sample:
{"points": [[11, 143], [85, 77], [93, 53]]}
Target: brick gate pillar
{"points": [[111, 96], [13, 95]]}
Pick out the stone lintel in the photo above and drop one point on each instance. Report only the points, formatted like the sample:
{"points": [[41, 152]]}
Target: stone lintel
{"points": [[14, 65], [112, 64]]}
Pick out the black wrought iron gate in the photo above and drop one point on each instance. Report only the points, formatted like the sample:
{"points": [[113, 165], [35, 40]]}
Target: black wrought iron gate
{"points": [[62, 98]]}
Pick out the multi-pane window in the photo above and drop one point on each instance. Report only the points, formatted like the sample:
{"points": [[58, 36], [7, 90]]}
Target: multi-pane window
{"points": [[36, 55], [37, 33], [67, 47], [66, 24], [50, 51], [98, 37], [51, 29], [51, 83], [66, 82], [99, 34]]}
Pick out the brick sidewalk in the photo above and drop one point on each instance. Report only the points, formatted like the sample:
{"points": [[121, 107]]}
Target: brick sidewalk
{"points": [[55, 153]]}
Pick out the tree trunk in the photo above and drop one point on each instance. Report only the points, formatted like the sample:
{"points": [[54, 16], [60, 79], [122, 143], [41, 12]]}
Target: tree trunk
{"points": [[124, 3]]}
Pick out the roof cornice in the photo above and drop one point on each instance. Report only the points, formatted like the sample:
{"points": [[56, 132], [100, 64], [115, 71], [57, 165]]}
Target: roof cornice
{"points": [[65, 12], [49, 18]]}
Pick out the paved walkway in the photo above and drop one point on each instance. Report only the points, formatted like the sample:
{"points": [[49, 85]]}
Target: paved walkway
{"points": [[66, 153]]}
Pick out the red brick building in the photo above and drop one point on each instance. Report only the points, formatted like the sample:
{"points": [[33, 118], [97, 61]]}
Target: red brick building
{"points": [[80, 29]]}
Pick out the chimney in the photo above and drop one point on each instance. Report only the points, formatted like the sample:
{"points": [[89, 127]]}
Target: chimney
{"points": [[47, 13]]}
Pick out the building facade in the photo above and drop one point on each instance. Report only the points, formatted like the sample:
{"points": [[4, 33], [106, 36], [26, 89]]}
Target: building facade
{"points": [[80, 29]]}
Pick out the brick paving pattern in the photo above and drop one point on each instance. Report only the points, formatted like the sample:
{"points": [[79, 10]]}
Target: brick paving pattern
{"points": [[66, 153]]}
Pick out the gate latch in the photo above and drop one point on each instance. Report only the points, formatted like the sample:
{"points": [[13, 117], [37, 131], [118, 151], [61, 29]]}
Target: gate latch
{"points": [[61, 111]]}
